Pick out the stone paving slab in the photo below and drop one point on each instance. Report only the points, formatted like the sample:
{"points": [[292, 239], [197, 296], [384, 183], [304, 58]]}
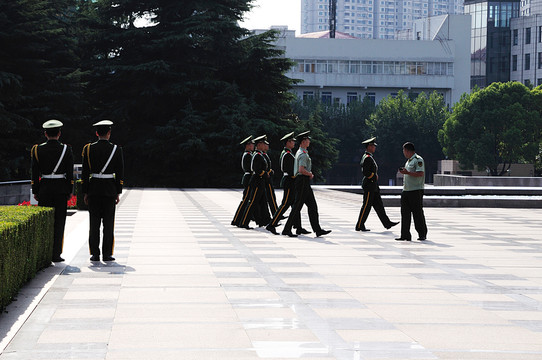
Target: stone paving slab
{"points": [[188, 285]]}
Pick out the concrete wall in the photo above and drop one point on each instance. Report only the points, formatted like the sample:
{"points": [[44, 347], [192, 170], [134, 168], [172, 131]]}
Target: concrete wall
{"points": [[455, 180], [14, 192]]}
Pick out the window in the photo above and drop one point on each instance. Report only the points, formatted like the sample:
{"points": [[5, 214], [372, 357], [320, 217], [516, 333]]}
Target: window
{"points": [[308, 95], [514, 63], [540, 34], [527, 36], [351, 97], [326, 97], [527, 61], [527, 82], [371, 96], [540, 60], [539, 82], [515, 37]]}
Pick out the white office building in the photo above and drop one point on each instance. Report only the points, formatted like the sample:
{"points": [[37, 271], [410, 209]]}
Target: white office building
{"points": [[343, 70], [373, 19], [526, 50]]}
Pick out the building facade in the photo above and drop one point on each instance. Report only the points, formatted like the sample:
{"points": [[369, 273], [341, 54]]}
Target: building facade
{"points": [[346, 70], [373, 19], [490, 40], [526, 50]]}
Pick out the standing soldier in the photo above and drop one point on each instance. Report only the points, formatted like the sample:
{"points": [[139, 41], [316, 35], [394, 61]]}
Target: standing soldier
{"points": [[246, 160], [258, 167], [303, 191], [287, 160], [103, 177], [52, 179], [371, 190]]}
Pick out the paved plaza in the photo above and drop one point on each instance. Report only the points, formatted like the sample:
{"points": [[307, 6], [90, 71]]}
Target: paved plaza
{"points": [[188, 285]]}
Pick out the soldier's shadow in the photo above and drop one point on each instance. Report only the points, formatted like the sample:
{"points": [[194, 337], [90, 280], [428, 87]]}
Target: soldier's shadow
{"points": [[319, 240]]}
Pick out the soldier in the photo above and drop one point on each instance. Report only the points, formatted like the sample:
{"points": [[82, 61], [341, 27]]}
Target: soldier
{"points": [[371, 190], [287, 160], [259, 170], [246, 160], [52, 179], [412, 195], [303, 191], [103, 178], [270, 197]]}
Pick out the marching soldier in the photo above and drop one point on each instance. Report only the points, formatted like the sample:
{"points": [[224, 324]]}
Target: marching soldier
{"points": [[371, 190], [287, 160], [257, 185], [103, 177], [52, 179], [246, 160], [303, 191], [270, 197]]}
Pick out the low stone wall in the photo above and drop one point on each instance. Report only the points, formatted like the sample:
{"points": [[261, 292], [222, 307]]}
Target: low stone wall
{"points": [[14, 192], [456, 180]]}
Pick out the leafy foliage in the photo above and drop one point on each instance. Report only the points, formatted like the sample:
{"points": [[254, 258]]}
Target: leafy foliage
{"points": [[500, 124]]}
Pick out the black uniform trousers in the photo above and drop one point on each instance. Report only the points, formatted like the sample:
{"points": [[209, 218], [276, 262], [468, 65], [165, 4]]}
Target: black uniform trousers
{"points": [[238, 214], [60, 203], [412, 204], [372, 199], [101, 210], [253, 205], [288, 199], [270, 196], [303, 196]]}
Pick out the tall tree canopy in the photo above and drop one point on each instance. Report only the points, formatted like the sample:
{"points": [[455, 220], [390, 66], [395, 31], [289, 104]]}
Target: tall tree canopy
{"points": [[186, 88], [400, 119], [500, 124], [39, 76]]}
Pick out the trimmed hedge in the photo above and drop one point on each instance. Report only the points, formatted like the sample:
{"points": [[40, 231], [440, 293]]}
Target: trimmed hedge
{"points": [[26, 246]]}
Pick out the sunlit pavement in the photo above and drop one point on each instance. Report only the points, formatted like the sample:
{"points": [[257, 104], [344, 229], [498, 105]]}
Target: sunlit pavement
{"points": [[188, 285]]}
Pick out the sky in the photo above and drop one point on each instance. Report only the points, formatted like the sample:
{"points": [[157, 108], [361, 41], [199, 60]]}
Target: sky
{"points": [[274, 12]]}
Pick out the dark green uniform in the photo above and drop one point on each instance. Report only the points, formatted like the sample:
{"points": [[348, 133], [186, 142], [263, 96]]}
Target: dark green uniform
{"points": [[246, 160], [253, 206], [53, 187], [287, 183], [371, 194], [102, 185]]}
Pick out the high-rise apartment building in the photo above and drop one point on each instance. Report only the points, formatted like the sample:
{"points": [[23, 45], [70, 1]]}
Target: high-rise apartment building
{"points": [[373, 19]]}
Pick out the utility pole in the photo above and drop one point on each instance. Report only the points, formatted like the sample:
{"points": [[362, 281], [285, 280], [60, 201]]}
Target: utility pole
{"points": [[332, 18]]}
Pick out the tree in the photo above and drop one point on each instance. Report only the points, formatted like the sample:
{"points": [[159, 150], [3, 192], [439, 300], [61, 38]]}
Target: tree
{"points": [[39, 78], [499, 124], [400, 119], [186, 88]]}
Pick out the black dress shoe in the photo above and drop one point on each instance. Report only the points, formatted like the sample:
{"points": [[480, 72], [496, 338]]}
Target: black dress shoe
{"points": [[245, 227], [302, 231], [362, 229], [282, 217], [402, 239], [422, 238], [392, 224], [109, 258], [288, 233], [322, 232], [271, 229], [94, 258], [58, 259]]}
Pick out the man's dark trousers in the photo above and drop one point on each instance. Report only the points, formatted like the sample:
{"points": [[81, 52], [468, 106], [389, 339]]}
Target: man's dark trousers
{"points": [[412, 203], [101, 209], [60, 203]]}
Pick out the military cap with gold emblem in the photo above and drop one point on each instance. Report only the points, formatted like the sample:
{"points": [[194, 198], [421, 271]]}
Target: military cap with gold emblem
{"points": [[304, 135], [288, 137], [52, 124], [103, 123], [260, 139], [247, 140], [370, 141]]}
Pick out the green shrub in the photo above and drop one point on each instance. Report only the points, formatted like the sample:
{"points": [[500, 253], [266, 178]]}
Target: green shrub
{"points": [[26, 246]]}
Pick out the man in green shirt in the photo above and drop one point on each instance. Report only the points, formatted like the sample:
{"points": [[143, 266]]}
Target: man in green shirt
{"points": [[303, 191], [412, 195]]}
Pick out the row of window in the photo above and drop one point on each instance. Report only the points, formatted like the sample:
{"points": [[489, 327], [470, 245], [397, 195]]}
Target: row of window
{"points": [[526, 62], [527, 37], [375, 67]]}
